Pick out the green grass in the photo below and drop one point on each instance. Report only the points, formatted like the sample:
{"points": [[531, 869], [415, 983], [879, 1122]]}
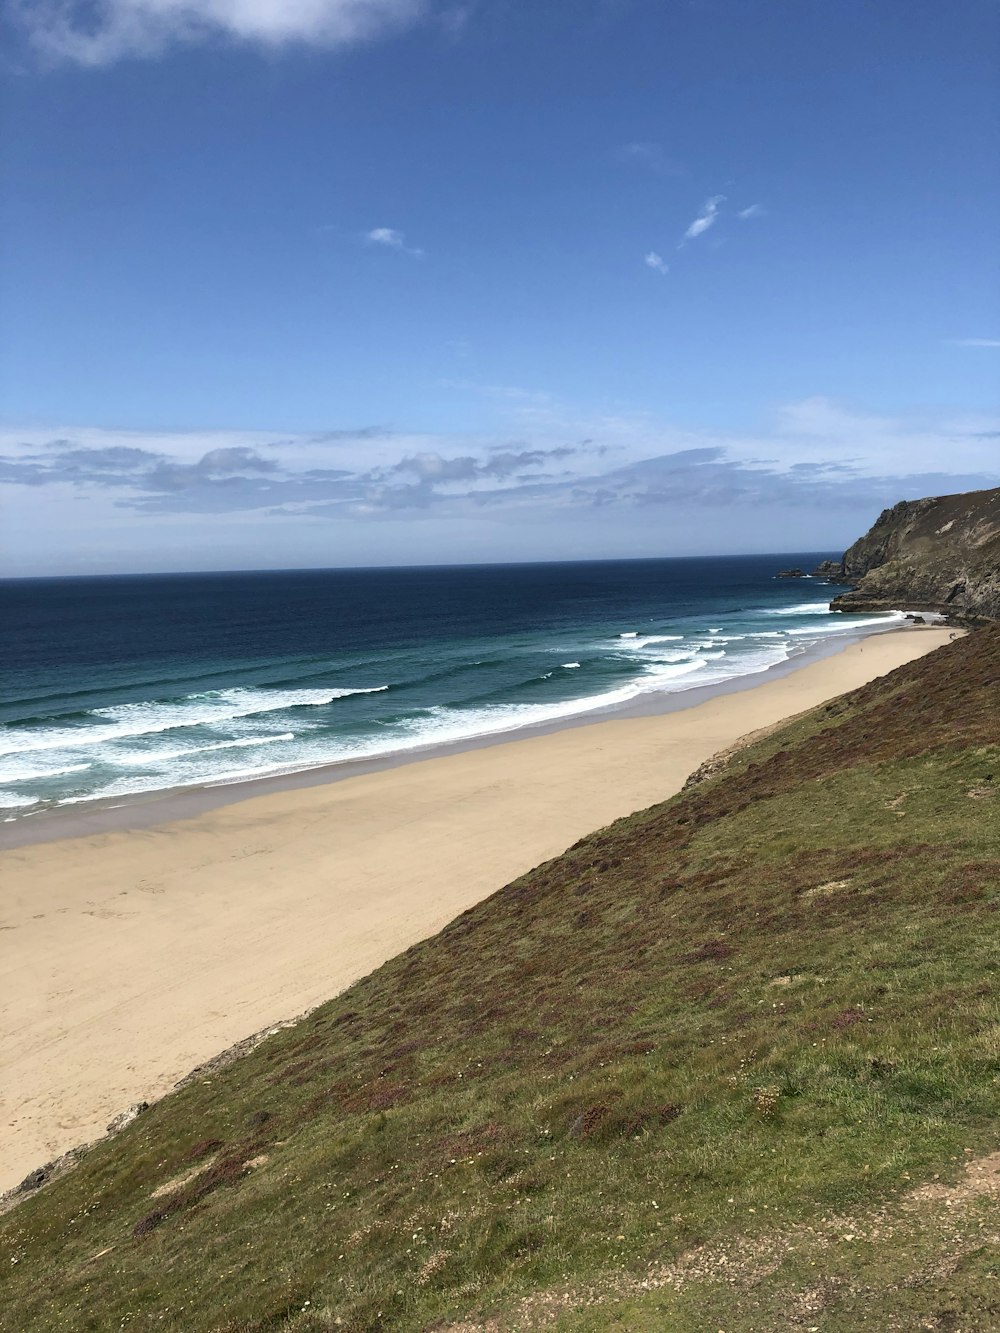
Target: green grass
{"points": [[702, 1031]]}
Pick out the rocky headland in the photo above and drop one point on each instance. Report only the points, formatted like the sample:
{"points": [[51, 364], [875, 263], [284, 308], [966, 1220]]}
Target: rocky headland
{"points": [[937, 554]]}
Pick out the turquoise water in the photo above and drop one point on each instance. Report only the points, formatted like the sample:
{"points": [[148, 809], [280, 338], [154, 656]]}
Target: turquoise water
{"points": [[118, 686]]}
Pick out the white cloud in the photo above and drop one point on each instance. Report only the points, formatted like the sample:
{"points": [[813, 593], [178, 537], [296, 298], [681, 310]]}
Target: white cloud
{"points": [[754, 211], [510, 393], [642, 151], [108, 30], [819, 429], [806, 431], [392, 239], [456, 19], [649, 156], [975, 342], [656, 262], [706, 218], [554, 484], [385, 236]]}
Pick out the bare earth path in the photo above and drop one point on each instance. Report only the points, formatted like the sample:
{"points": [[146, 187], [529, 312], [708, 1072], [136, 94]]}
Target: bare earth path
{"points": [[130, 957]]}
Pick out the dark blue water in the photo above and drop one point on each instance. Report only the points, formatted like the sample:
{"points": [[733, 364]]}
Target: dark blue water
{"points": [[113, 686]]}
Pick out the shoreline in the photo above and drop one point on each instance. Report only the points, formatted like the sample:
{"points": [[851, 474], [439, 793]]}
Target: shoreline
{"points": [[135, 955], [150, 809]]}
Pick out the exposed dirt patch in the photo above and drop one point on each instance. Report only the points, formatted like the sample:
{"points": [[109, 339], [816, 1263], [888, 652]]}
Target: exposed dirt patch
{"points": [[981, 1177], [178, 1182], [826, 890]]}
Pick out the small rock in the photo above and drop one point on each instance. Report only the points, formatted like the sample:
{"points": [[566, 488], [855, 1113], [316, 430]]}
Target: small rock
{"points": [[33, 1182], [126, 1117]]}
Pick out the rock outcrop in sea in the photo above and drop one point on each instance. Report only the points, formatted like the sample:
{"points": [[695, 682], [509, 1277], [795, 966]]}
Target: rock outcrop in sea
{"points": [[937, 554]]}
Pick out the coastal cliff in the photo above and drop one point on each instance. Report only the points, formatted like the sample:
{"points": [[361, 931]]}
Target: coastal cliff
{"points": [[936, 554]]}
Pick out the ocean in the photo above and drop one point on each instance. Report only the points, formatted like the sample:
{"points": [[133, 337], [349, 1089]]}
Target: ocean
{"points": [[117, 686]]}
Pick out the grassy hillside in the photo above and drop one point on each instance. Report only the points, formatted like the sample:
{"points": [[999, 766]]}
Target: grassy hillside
{"points": [[722, 1065]]}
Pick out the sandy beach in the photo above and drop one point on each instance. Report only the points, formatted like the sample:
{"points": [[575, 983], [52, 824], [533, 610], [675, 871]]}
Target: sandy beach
{"points": [[131, 956]]}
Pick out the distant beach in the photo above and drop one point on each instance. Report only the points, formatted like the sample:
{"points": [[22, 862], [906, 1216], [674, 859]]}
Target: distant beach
{"points": [[133, 955]]}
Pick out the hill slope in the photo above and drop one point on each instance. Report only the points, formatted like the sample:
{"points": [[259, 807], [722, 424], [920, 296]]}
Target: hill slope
{"points": [[687, 1075], [937, 554]]}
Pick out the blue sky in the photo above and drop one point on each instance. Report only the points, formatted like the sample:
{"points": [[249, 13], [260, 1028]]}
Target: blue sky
{"points": [[311, 282]]}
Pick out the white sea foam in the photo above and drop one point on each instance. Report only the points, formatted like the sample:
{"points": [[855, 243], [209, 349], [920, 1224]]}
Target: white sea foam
{"points": [[10, 800], [678, 655], [151, 757], [16, 774], [436, 726], [221, 705], [803, 609], [144, 719], [128, 754], [640, 642], [845, 625], [439, 725], [663, 665]]}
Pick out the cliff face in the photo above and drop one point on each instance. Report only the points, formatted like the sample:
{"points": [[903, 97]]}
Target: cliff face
{"points": [[938, 554]]}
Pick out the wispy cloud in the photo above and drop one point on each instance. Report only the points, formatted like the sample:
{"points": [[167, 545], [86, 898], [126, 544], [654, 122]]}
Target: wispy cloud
{"points": [[433, 469], [656, 262], [754, 211], [642, 151], [817, 452], [705, 219], [509, 393], [557, 484], [99, 32], [456, 18], [392, 239], [650, 156], [975, 342]]}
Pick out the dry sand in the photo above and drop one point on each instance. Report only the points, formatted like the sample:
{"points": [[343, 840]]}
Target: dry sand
{"points": [[130, 957]]}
